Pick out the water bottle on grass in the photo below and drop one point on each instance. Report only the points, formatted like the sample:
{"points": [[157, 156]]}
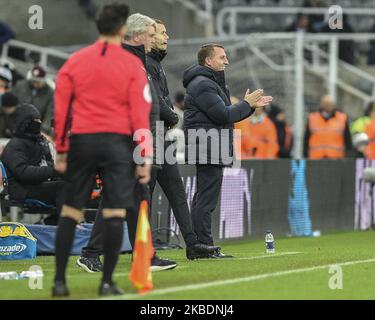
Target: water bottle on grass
{"points": [[270, 242]]}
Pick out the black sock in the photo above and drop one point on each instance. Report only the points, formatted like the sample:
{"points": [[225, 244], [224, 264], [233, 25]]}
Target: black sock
{"points": [[63, 245], [112, 241]]}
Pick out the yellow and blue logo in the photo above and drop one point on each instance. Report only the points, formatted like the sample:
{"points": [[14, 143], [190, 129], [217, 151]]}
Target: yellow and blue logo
{"points": [[16, 242]]}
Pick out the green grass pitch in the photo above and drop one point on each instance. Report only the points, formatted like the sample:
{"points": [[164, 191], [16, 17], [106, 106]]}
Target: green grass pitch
{"points": [[298, 270]]}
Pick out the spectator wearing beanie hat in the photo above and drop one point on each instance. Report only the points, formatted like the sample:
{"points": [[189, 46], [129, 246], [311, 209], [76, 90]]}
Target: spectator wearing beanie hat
{"points": [[5, 80], [8, 107], [16, 75], [34, 90], [37, 76]]}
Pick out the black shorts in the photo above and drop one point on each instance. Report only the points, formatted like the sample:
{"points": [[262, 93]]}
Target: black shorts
{"points": [[109, 155]]}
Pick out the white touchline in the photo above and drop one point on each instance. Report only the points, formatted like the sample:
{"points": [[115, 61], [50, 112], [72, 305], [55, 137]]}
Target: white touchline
{"points": [[237, 280], [183, 267], [264, 256]]}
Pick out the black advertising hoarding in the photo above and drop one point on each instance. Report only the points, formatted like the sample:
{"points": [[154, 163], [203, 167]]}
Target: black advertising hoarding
{"points": [[331, 187], [288, 197]]}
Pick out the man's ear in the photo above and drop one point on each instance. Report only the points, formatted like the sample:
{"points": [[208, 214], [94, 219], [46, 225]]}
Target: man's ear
{"points": [[208, 61], [137, 37]]}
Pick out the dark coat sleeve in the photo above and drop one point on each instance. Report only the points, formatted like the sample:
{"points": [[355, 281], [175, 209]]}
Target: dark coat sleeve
{"points": [[348, 139], [15, 160], [167, 115], [155, 109], [154, 117], [209, 101], [306, 141]]}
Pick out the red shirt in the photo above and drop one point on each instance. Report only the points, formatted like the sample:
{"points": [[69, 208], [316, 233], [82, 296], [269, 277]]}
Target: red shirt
{"points": [[103, 88]]}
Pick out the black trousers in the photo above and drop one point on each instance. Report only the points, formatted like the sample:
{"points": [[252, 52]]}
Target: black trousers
{"points": [[49, 192], [94, 247], [170, 181], [209, 180]]}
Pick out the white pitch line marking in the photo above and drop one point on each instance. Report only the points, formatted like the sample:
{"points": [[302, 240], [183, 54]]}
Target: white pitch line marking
{"points": [[264, 256], [239, 280]]}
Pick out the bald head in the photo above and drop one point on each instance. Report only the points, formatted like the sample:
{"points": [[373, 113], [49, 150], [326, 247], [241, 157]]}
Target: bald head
{"points": [[327, 104]]}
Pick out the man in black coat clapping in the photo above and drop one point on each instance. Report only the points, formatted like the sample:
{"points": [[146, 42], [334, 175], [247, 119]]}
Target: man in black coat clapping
{"points": [[209, 117]]}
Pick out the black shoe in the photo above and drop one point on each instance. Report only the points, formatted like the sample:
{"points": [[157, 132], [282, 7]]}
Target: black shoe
{"points": [[60, 289], [109, 289], [159, 264], [219, 255], [200, 251], [90, 264]]}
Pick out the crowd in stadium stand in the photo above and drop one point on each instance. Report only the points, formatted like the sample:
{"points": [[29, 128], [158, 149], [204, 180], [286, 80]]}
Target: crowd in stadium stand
{"points": [[219, 4], [265, 135], [328, 134], [32, 90], [314, 23]]}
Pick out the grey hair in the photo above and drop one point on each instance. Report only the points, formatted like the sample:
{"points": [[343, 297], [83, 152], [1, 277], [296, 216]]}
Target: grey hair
{"points": [[137, 23]]}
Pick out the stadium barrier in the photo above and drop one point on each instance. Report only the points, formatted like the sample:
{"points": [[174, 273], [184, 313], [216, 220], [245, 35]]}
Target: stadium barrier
{"points": [[289, 197]]}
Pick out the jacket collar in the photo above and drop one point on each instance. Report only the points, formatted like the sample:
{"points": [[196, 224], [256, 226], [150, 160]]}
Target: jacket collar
{"points": [[138, 51], [220, 78], [198, 70], [217, 76], [158, 55]]}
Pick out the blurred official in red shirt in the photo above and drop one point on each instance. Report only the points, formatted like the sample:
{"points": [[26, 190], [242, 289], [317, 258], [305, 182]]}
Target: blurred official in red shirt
{"points": [[102, 99]]}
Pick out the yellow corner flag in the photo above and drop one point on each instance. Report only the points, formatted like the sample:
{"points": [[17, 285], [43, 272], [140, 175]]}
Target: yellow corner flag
{"points": [[143, 251]]}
